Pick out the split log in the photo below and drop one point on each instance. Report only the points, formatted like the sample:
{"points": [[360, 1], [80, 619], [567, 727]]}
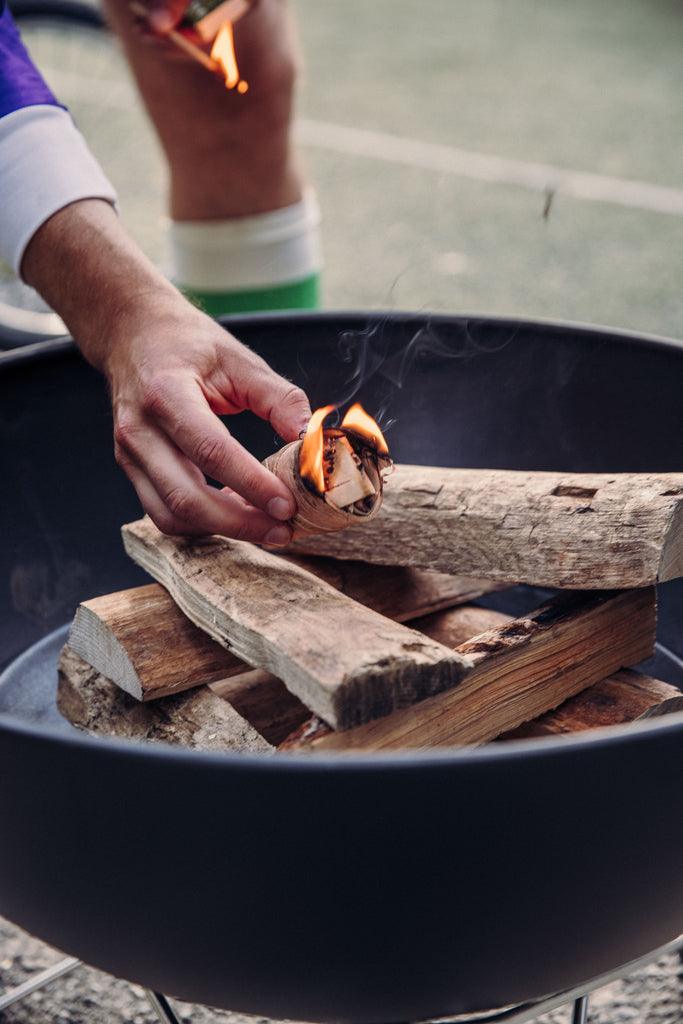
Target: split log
{"points": [[141, 640], [348, 664], [622, 698], [583, 531], [265, 702], [517, 672], [199, 718]]}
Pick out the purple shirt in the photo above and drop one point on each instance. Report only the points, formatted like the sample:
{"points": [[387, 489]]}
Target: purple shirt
{"points": [[21, 84]]}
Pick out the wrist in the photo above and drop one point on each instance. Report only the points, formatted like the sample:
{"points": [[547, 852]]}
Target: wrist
{"points": [[91, 272]]}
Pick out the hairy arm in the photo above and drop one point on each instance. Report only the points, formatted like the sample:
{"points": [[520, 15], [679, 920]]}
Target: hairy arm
{"points": [[171, 371]]}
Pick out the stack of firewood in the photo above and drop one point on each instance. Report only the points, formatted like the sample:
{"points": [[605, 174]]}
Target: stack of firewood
{"points": [[367, 639]]}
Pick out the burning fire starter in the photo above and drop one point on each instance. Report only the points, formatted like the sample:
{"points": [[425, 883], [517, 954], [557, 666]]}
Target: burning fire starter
{"points": [[335, 473]]}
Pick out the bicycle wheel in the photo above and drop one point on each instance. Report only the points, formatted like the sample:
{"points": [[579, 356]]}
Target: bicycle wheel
{"points": [[84, 67]]}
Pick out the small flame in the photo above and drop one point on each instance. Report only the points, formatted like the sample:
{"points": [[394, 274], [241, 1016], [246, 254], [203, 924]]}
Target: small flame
{"points": [[311, 455], [358, 421], [223, 52]]}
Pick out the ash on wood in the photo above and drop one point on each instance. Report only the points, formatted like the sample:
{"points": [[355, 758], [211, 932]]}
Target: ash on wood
{"points": [[141, 640], [345, 662], [517, 671], [199, 718], [584, 531]]}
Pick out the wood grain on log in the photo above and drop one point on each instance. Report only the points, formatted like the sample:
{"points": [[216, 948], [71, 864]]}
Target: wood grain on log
{"points": [[141, 640], [583, 531], [198, 718], [516, 672], [624, 697], [268, 705], [265, 702], [347, 663]]}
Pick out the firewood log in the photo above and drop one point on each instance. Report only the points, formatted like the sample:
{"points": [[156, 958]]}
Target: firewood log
{"points": [[624, 697], [347, 663], [517, 672], [199, 718], [141, 640], [88, 698], [583, 531]]}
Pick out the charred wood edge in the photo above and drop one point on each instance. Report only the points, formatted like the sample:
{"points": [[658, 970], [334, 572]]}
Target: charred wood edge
{"points": [[567, 625], [565, 530], [314, 514]]}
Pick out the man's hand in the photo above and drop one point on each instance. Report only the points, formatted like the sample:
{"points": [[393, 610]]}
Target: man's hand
{"points": [[172, 370], [170, 373]]}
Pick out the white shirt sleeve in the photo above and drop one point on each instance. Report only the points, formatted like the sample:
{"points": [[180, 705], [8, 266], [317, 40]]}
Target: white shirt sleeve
{"points": [[45, 165]]}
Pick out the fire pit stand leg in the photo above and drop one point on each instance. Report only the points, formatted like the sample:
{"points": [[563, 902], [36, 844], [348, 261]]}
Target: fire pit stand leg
{"points": [[162, 1007], [580, 1015], [38, 981]]}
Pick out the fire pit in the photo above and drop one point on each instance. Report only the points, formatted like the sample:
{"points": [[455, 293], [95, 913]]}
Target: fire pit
{"points": [[365, 888]]}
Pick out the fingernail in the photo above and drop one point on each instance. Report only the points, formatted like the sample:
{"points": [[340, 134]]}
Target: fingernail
{"points": [[278, 537], [280, 508]]}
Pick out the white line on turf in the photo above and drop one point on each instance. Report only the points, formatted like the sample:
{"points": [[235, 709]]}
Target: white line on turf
{"points": [[463, 163]]}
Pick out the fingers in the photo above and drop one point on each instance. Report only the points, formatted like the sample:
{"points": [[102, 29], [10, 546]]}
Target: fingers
{"points": [[258, 388], [177, 498], [284, 405], [179, 407], [163, 15]]}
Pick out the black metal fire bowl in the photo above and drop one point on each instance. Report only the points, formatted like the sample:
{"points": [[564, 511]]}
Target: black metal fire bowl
{"points": [[368, 889]]}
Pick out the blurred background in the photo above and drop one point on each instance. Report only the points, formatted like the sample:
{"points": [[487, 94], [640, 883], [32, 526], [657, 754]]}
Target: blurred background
{"points": [[522, 158]]}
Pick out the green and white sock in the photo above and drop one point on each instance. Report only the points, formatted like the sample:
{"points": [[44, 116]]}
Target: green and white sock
{"points": [[268, 261]]}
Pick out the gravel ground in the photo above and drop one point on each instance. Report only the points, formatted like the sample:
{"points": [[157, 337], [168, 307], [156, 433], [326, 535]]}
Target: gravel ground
{"points": [[653, 995]]}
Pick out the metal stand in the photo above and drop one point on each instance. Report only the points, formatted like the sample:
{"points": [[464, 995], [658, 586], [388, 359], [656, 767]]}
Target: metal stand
{"points": [[162, 1007], [580, 1015], [38, 981], [511, 1015]]}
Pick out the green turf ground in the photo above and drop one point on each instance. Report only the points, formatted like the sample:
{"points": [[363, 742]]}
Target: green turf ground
{"points": [[585, 86], [582, 86]]}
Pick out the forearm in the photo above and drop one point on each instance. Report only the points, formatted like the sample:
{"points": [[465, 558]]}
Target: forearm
{"points": [[88, 269]]}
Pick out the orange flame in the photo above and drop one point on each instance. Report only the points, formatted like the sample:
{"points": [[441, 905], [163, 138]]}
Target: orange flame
{"points": [[223, 52], [311, 455], [358, 421]]}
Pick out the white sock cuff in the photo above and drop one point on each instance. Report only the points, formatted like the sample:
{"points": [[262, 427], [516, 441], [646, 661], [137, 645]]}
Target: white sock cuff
{"points": [[259, 251]]}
